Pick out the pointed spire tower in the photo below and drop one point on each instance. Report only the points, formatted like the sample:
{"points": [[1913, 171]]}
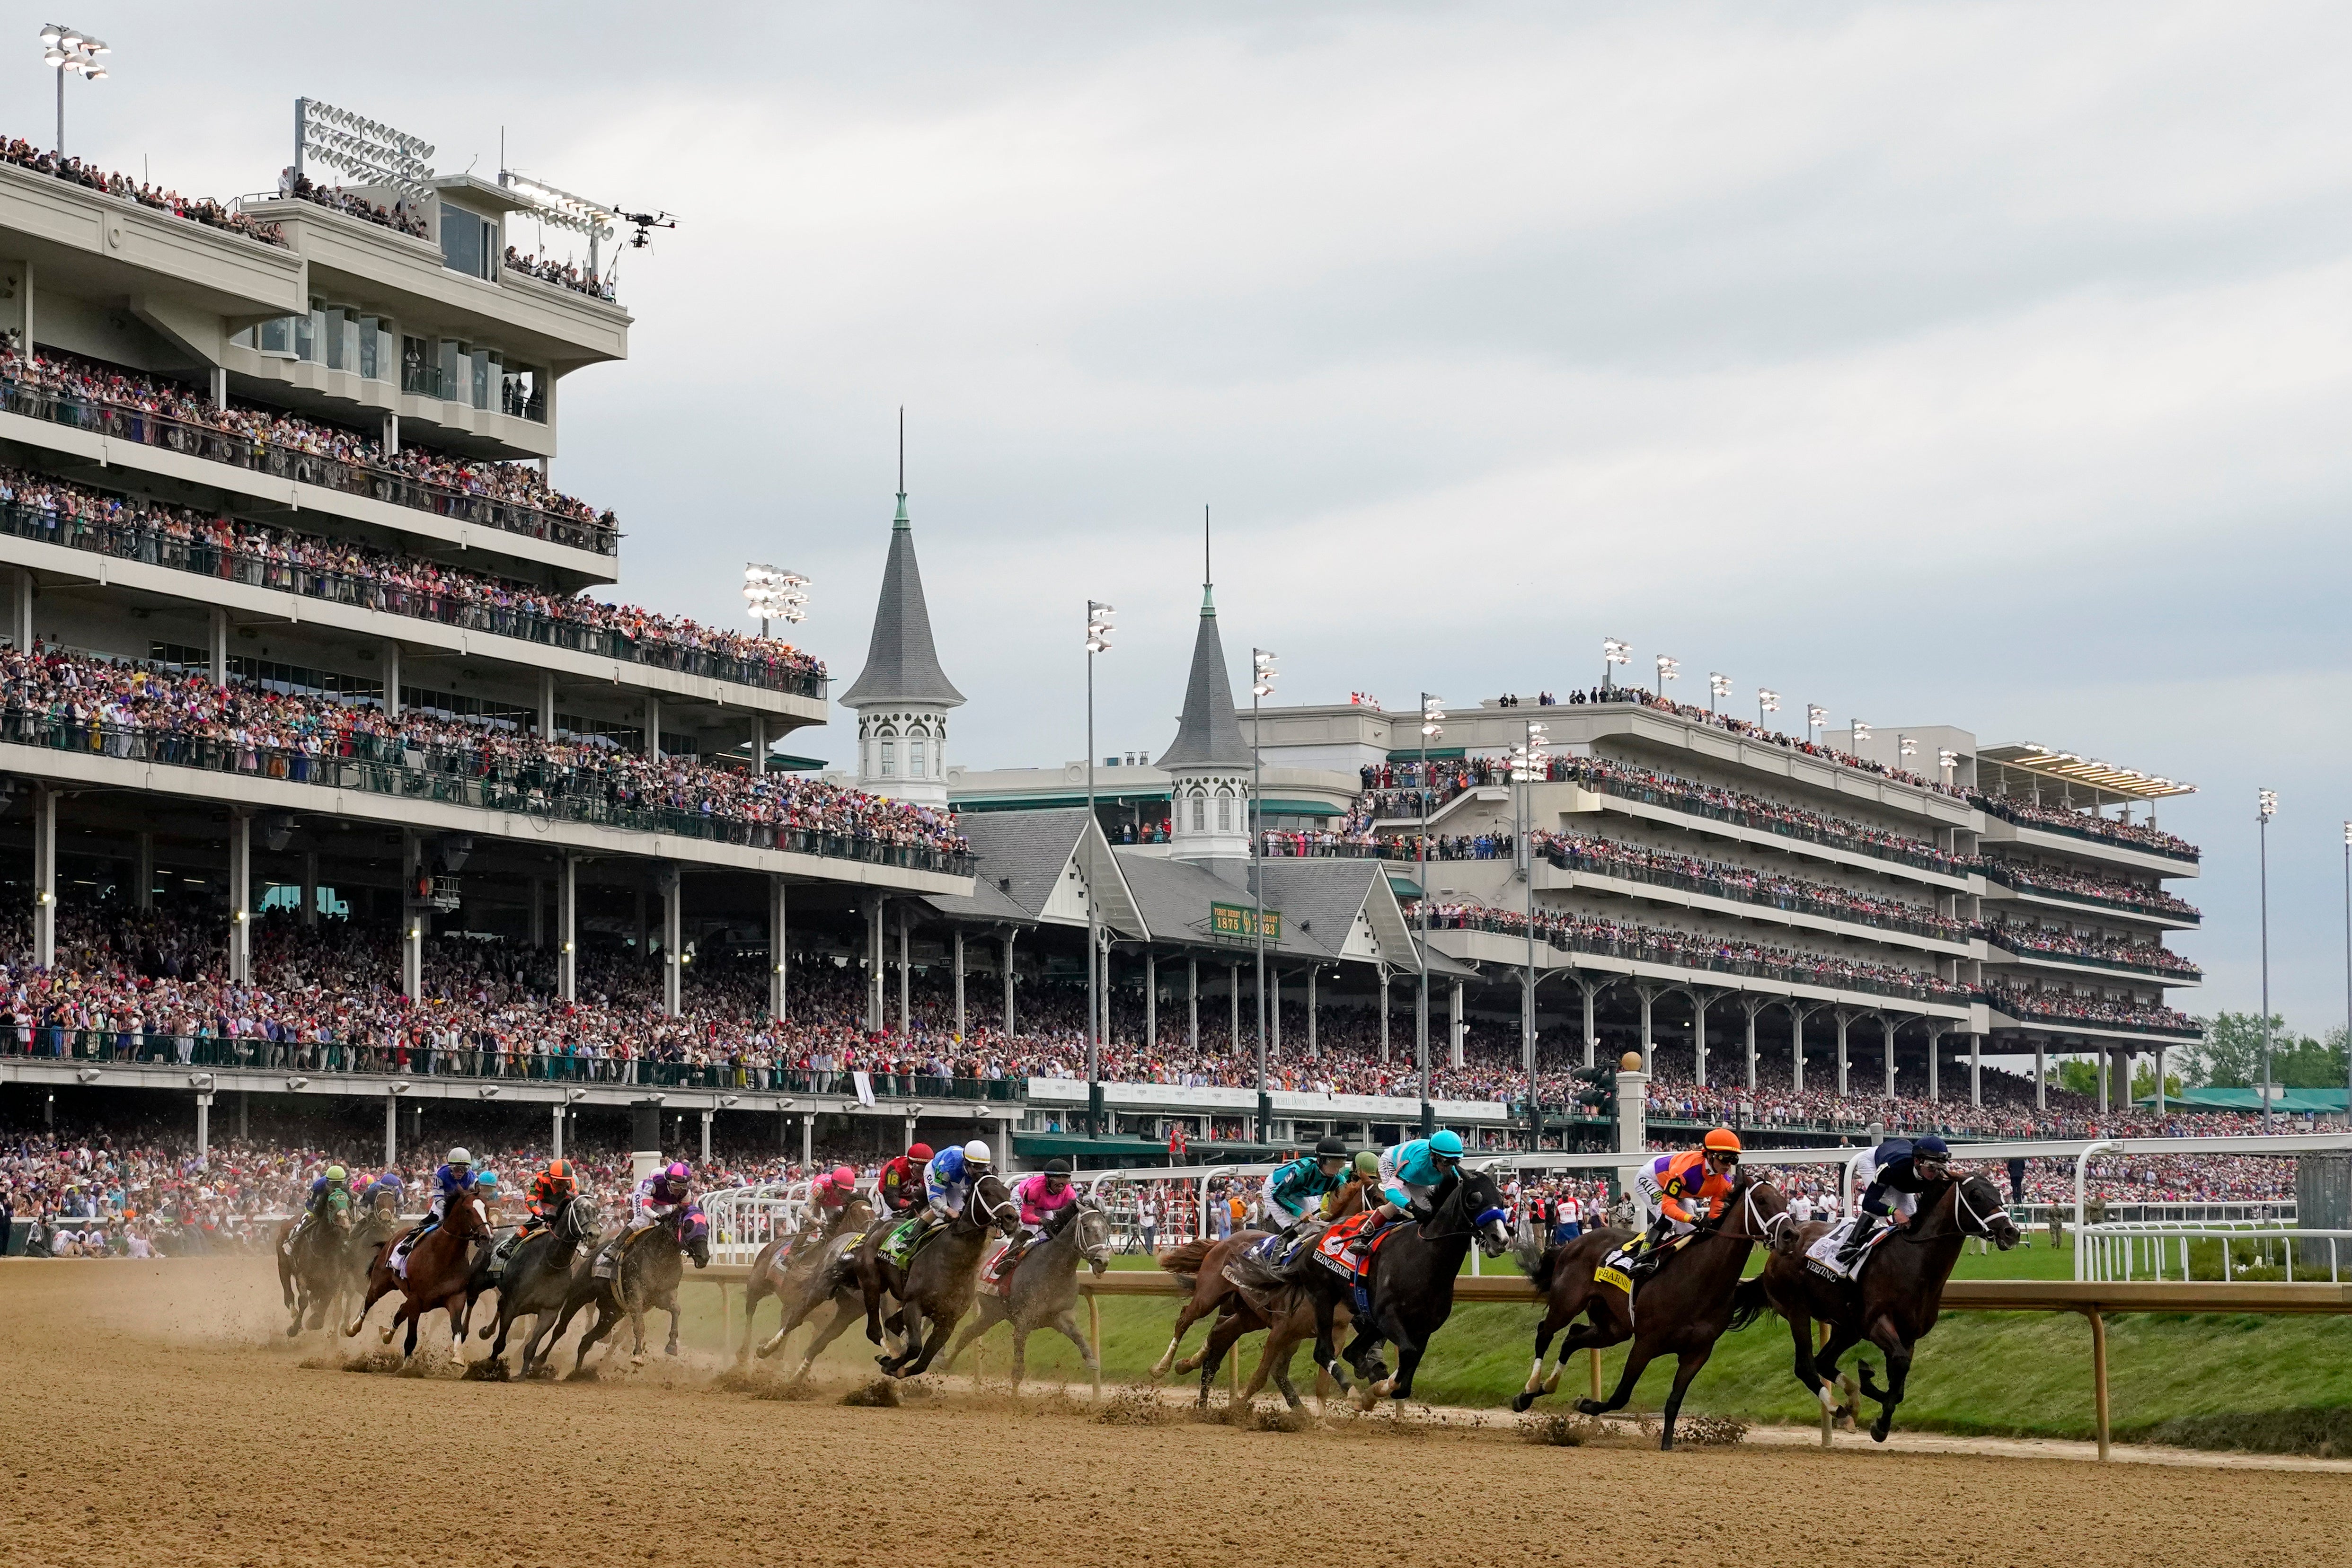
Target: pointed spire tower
{"points": [[1209, 765], [902, 696]]}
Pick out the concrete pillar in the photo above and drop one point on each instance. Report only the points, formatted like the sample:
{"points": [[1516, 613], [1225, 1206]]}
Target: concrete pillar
{"points": [[310, 895], [1886, 1039], [808, 1139], [1274, 1014], [547, 705], [1011, 1021], [1591, 1030], [555, 1138], [388, 672], [20, 610], [390, 1131], [220, 386], [1632, 1127], [2158, 1065], [1698, 1038], [2041, 1074], [1648, 996], [653, 726], [673, 938], [707, 1117], [1754, 1005], [1976, 1070], [392, 433], [204, 1129], [1935, 1065], [217, 646], [567, 929], [45, 876], [1152, 999], [1797, 1048], [413, 915], [1455, 1029], [1192, 991], [874, 963], [1842, 1022], [142, 896], [240, 895], [1234, 1028], [906, 982], [779, 950], [1384, 1014], [538, 914], [2106, 1058], [959, 983]]}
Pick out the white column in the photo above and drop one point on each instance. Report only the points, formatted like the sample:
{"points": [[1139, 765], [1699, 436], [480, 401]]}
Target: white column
{"points": [[1976, 1070], [220, 386], [1886, 1041], [390, 1131], [2041, 1071], [779, 949], [20, 610], [1384, 1014], [1455, 1030], [1592, 1028], [1698, 1039], [2159, 1080], [1648, 996], [555, 1138], [1152, 999], [1632, 1125], [1842, 1022], [958, 982], [204, 1129], [905, 980], [874, 963], [707, 1117], [310, 894], [1193, 981], [1004, 952], [1754, 1006], [412, 918], [142, 896], [1233, 996], [547, 705], [217, 649], [1796, 1046], [567, 928], [1314, 1018], [673, 938], [240, 895], [537, 914], [653, 726], [388, 672], [1934, 1067], [808, 1139], [45, 876]]}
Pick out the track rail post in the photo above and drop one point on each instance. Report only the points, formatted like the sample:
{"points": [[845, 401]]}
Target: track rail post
{"points": [[1094, 1333], [2099, 1375]]}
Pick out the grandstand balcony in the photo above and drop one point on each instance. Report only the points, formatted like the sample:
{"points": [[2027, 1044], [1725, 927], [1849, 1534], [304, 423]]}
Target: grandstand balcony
{"points": [[2014, 1013], [2088, 844], [1560, 873], [1673, 809], [2090, 966], [2006, 882]]}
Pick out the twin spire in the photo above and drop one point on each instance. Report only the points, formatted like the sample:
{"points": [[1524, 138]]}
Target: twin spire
{"points": [[902, 664], [1209, 735]]}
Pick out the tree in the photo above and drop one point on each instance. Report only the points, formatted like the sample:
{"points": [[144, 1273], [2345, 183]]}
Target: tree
{"points": [[2231, 1054], [2144, 1084]]}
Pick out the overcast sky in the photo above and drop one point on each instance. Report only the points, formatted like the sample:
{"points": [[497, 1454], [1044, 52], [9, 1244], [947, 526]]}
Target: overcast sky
{"points": [[1969, 363]]}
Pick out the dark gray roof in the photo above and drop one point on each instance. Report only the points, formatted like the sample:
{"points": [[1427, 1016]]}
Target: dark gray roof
{"points": [[901, 664], [1027, 848], [1319, 899], [1209, 735]]}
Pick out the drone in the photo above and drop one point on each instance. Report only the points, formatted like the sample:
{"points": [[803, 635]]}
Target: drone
{"points": [[646, 224]]}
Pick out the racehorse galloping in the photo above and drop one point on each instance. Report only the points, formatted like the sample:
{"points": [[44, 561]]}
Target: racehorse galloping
{"points": [[647, 1278], [1683, 1308], [1562, 1276], [1043, 1289], [537, 1282], [936, 1287], [1893, 1305], [788, 1266], [1202, 1264], [1412, 1283], [438, 1267], [314, 1269]]}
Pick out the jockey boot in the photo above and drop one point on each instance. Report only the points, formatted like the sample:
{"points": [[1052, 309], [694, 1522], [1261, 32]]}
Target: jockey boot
{"points": [[1864, 1228]]}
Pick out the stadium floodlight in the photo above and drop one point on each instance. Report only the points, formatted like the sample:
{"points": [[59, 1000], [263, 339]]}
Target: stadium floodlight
{"points": [[64, 49], [1861, 733], [1719, 685], [773, 593], [2266, 802], [1668, 670], [2265, 808], [552, 206], [1614, 650], [371, 152], [1766, 701], [1948, 759], [1432, 716], [1262, 673], [1905, 747], [1099, 627]]}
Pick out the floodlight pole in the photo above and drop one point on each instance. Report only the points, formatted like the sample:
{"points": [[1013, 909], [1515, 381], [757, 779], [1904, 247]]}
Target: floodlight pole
{"points": [[1258, 667], [2262, 826], [1094, 994], [61, 131], [2347, 974], [1421, 885]]}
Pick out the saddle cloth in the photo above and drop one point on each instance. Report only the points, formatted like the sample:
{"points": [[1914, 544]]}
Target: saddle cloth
{"points": [[996, 1274], [1615, 1269], [1332, 1248], [1821, 1257], [898, 1247]]}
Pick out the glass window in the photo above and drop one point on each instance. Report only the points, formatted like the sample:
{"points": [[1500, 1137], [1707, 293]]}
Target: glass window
{"points": [[453, 371], [889, 761], [416, 370], [1224, 813], [468, 241], [1200, 814], [306, 336], [369, 331], [331, 339], [915, 760], [481, 368], [352, 337]]}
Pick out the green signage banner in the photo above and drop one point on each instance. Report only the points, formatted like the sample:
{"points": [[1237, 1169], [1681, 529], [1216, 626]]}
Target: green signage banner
{"points": [[1240, 919]]}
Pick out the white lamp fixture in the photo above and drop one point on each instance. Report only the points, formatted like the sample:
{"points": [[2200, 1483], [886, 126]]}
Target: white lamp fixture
{"points": [[1432, 717], [1614, 650], [1719, 685], [772, 593], [1099, 627], [1766, 701], [371, 152], [1262, 673], [1816, 717], [1861, 734], [64, 49], [1668, 670]]}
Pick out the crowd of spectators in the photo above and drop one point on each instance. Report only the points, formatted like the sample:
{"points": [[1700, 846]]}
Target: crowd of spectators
{"points": [[123, 708], [562, 274], [2064, 941], [2052, 1002], [2060, 880], [1722, 879], [1573, 932], [1735, 725], [399, 217], [58, 511], [195, 209], [47, 373], [2024, 811]]}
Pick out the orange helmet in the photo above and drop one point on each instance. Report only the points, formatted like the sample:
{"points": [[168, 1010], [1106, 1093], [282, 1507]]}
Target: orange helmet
{"points": [[1724, 1140], [559, 1171]]}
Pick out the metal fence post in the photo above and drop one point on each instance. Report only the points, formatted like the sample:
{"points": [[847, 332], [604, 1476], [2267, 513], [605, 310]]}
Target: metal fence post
{"points": [[2099, 1377]]}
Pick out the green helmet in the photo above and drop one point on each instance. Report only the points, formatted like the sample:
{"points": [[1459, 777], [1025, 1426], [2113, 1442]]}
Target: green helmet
{"points": [[1368, 1164], [337, 1175], [1446, 1141]]}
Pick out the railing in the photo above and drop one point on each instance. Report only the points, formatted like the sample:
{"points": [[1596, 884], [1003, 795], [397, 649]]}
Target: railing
{"points": [[1681, 958], [2024, 1012], [2176, 851], [2113, 1252], [153, 547], [2043, 890], [743, 1219], [369, 765], [1992, 936], [1677, 801], [140, 427], [2037, 1216], [1572, 860]]}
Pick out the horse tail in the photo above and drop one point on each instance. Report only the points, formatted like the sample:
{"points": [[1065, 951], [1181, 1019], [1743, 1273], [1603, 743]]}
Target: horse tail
{"points": [[1748, 1302], [1536, 1263], [1185, 1259]]}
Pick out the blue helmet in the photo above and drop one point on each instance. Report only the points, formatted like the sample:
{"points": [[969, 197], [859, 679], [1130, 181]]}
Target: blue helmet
{"points": [[1930, 1147], [1446, 1142]]}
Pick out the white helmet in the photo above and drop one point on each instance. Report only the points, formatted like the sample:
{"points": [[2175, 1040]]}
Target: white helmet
{"points": [[976, 1153], [459, 1158]]}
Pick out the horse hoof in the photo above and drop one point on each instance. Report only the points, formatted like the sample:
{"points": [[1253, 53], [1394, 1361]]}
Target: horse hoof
{"points": [[1880, 1427], [638, 1359], [1521, 1400], [293, 1331], [583, 1374], [1587, 1406]]}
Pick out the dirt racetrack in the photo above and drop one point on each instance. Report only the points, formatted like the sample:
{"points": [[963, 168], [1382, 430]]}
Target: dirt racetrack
{"points": [[152, 1413]]}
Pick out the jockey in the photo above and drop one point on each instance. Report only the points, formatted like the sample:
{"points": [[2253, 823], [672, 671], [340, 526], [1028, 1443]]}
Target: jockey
{"points": [[330, 1199], [1407, 1175], [947, 1182], [387, 1185], [1048, 1200], [657, 1198], [454, 1175], [549, 1190], [1685, 1187], [830, 1194], [902, 1179], [1900, 1170], [1290, 1194]]}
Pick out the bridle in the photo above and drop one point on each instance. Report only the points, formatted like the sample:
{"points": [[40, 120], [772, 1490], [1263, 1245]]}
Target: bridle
{"points": [[985, 1212], [1454, 1198]]}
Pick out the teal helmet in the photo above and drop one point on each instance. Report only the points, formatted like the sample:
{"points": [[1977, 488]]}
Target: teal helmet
{"points": [[489, 1179], [1447, 1141]]}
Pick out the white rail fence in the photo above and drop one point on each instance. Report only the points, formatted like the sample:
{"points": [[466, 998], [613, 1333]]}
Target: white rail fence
{"points": [[2161, 1250]]}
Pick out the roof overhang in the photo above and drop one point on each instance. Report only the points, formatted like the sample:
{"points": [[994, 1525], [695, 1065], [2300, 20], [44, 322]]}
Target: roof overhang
{"points": [[2085, 770]]}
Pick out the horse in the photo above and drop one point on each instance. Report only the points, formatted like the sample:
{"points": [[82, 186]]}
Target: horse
{"points": [[1685, 1305], [311, 1267], [786, 1266], [1562, 1276], [435, 1275], [537, 1280], [1411, 1287], [652, 1262], [1042, 1292], [937, 1284], [1202, 1264], [1895, 1303]]}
